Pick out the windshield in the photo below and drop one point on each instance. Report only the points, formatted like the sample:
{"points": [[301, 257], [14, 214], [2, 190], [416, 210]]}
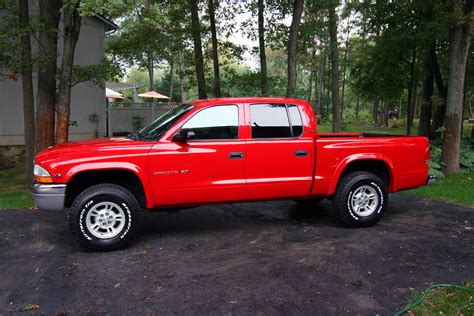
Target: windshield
{"points": [[159, 126]]}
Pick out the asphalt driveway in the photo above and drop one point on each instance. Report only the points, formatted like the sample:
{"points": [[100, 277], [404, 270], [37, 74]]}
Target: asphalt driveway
{"points": [[271, 258]]}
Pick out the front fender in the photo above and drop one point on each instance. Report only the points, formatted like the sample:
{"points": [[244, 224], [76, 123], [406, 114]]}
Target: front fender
{"points": [[100, 166]]}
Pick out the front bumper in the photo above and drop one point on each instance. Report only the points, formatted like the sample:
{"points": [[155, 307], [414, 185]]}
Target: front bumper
{"points": [[430, 180], [49, 197]]}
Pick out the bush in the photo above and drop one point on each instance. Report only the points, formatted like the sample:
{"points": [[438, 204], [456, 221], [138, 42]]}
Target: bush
{"points": [[466, 160]]}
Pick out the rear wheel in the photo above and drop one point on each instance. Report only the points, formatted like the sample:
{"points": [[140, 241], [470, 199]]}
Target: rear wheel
{"points": [[361, 199], [105, 217]]}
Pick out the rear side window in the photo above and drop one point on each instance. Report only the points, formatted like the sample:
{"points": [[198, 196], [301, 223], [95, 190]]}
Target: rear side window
{"points": [[275, 121], [218, 122], [295, 120]]}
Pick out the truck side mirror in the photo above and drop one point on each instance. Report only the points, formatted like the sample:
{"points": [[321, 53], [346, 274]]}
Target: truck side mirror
{"points": [[183, 136]]}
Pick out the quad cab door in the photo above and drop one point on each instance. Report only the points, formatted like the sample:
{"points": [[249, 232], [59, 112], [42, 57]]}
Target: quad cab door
{"points": [[280, 152], [207, 167]]}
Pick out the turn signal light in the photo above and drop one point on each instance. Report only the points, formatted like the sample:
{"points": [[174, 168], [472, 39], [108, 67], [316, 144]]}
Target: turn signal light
{"points": [[39, 179]]}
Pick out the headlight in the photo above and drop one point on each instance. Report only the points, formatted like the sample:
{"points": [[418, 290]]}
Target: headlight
{"points": [[41, 175]]}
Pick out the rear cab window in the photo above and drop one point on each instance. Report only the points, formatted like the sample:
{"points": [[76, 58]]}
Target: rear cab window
{"points": [[275, 120]]}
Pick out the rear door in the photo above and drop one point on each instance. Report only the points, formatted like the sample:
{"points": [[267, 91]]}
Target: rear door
{"points": [[208, 168], [280, 152]]}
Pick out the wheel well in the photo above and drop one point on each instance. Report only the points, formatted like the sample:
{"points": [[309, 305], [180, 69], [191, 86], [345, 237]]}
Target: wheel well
{"points": [[377, 167], [124, 178]]}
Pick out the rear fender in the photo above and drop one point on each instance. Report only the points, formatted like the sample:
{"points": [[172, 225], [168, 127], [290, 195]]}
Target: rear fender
{"points": [[358, 157]]}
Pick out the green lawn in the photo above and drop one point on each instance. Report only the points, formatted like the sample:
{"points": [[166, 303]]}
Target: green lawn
{"points": [[454, 188], [445, 301], [13, 190]]}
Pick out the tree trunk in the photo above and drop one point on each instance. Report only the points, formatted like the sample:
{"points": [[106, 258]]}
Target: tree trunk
{"points": [[215, 54], [322, 68], [344, 72], [292, 41], [198, 58], [328, 85], [411, 85], [440, 111], [72, 27], [427, 94], [171, 80], [375, 111], [261, 44], [459, 41], [385, 114], [357, 106], [46, 94], [27, 86], [151, 71], [336, 111], [312, 75], [182, 78]]}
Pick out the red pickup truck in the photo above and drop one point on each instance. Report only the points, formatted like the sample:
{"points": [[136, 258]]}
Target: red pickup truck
{"points": [[220, 151]]}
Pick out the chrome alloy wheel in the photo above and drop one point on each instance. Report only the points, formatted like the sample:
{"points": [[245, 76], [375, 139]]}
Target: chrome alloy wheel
{"points": [[105, 220], [364, 200]]}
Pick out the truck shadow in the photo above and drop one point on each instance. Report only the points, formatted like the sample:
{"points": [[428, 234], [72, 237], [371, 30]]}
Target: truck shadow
{"points": [[208, 219]]}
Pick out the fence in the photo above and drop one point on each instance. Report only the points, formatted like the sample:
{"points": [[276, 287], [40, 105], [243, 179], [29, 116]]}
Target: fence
{"points": [[125, 118]]}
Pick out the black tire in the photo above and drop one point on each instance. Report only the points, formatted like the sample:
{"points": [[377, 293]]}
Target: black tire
{"points": [[89, 201], [344, 198], [308, 202]]}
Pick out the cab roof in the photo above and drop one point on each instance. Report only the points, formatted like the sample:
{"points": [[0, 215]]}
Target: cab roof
{"points": [[236, 100]]}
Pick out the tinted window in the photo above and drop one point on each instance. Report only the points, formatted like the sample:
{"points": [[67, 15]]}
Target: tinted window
{"points": [[218, 122], [159, 126], [296, 122], [269, 121]]}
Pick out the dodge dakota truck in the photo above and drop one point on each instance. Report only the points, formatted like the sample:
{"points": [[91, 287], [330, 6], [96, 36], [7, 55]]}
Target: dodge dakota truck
{"points": [[223, 150]]}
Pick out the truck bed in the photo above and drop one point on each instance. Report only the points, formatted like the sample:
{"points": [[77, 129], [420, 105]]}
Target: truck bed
{"points": [[358, 135]]}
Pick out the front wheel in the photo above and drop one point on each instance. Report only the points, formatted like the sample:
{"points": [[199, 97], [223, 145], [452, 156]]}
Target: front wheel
{"points": [[361, 199], [104, 217]]}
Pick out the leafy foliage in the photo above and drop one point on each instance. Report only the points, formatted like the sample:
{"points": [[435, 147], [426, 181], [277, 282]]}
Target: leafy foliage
{"points": [[466, 159]]}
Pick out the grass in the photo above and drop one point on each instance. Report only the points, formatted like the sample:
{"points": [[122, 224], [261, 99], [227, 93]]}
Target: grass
{"points": [[455, 188], [445, 301], [14, 192]]}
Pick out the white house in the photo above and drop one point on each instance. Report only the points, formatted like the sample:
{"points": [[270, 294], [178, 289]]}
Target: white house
{"points": [[87, 100]]}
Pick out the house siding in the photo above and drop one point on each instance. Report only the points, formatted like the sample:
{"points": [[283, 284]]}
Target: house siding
{"points": [[86, 98]]}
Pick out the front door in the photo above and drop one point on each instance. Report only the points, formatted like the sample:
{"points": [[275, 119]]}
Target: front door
{"points": [[209, 167], [280, 152]]}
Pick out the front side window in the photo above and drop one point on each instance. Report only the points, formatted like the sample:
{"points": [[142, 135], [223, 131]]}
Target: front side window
{"points": [[218, 122], [158, 127]]}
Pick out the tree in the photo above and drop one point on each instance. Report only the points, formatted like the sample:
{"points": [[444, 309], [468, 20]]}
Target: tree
{"points": [[182, 74], [427, 94], [261, 48], [459, 42], [336, 115], [215, 55], [27, 86], [144, 37], [292, 42], [198, 58], [72, 27], [46, 95]]}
